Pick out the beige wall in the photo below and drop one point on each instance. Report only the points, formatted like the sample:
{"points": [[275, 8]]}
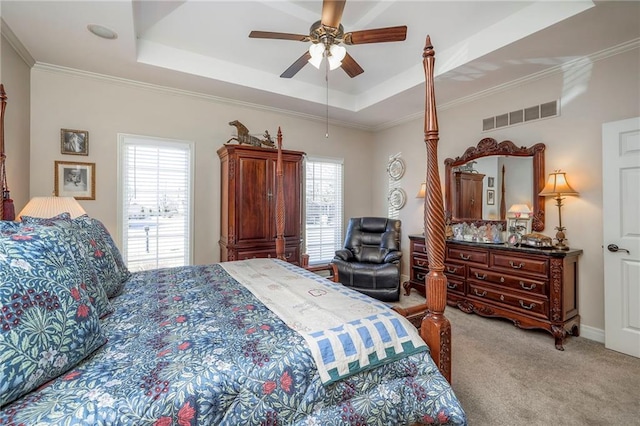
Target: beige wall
{"points": [[590, 95], [15, 78], [105, 107]]}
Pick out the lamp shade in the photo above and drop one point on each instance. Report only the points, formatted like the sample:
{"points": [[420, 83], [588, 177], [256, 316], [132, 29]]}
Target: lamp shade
{"points": [[557, 185], [45, 207], [423, 190], [520, 211]]}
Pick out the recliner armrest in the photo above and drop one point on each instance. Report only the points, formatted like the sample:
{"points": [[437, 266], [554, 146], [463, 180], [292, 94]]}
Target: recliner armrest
{"points": [[344, 254], [393, 256]]}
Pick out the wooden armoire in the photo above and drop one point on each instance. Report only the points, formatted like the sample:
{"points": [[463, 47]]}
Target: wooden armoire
{"points": [[248, 204], [467, 195]]}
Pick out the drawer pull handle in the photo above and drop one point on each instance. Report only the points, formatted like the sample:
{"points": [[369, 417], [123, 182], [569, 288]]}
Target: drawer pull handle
{"points": [[420, 277], [420, 263], [525, 306], [452, 270], [424, 249], [484, 293], [463, 257], [525, 287], [501, 279], [481, 277], [514, 266], [451, 286]]}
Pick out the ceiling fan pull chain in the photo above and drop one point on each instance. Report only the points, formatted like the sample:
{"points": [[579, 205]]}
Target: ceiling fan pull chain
{"points": [[326, 77]]}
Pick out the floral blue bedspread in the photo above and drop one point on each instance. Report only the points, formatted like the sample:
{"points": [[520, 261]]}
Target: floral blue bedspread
{"points": [[189, 346]]}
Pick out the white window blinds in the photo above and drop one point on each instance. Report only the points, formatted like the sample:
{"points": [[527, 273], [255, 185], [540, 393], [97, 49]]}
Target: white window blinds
{"points": [[156, 202], [323, 208]]}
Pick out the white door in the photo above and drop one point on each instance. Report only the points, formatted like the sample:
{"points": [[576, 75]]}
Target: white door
{"points": [[621, 233]]}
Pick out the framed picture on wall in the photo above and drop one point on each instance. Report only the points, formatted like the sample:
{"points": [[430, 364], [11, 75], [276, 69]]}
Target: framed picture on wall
{"points": [[491, 197], [490, 182], [74, 142], [73, 179]]}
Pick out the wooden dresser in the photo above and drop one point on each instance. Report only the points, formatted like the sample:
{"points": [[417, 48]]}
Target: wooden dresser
{"points": [[534, 288], [248, 198]]}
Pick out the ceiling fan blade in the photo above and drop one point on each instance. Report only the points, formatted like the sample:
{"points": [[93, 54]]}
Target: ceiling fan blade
{"points": [[332, 12], [279, 36], [296, 66], [351, 67], [378, 35]]}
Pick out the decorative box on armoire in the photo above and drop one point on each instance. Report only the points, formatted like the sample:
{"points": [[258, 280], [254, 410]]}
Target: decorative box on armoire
{"points": [[248, 202]]}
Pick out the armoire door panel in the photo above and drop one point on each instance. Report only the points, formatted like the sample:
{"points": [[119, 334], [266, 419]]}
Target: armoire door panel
{"points": [[253, 200]]}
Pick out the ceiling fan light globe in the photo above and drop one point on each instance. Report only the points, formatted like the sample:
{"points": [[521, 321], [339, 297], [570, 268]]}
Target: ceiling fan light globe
{"points": [[334, 62], [338, 52], [316, 50], [315, 61]]}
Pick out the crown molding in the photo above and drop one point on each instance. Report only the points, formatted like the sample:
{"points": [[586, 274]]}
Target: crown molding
{"points": [[11, 38]]}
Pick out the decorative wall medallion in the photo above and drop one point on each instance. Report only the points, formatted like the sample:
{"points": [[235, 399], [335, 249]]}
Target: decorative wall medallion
{"points": [[396, 168], [397, 198]]}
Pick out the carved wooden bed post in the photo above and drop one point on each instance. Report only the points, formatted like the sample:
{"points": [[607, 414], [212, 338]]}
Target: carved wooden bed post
{"points": [[280, 241], [435, 328]]}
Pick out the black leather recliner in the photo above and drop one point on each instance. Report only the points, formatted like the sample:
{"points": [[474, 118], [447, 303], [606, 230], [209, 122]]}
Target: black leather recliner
{"points": [[370, 259]]}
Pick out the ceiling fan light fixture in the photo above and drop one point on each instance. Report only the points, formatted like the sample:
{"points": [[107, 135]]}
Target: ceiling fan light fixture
{"points": [[336, 55], [334, 62], [316, 50], [338, 52]]}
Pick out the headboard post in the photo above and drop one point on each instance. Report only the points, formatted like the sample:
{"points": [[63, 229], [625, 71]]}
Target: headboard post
{"points": [[280, 210], [435, 328]]}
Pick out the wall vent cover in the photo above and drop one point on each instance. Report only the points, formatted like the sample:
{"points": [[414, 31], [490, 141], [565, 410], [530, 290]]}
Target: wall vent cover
{"points": [[536, 112]]}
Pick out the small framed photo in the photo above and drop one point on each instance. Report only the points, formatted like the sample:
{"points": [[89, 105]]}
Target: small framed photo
{"points": [[73, 179], [490, 182], [74, 142], [491, 197]]}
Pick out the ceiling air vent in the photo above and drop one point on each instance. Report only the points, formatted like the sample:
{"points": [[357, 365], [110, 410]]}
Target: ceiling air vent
{"points": [[536, 112]]}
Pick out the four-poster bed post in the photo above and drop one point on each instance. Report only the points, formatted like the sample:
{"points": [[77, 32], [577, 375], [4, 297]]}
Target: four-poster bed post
{"points": [[435, 329], [280, 213]]}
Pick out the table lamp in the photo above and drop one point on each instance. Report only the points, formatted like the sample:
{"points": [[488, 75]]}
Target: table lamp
{"points": [[557, 187]]}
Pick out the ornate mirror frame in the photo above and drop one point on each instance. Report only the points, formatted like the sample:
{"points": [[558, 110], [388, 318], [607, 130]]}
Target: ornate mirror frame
{"points": [[489, 146]]}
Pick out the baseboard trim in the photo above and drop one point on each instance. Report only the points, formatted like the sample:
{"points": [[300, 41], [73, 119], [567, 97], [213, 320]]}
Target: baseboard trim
{"points": [[592, 333]]}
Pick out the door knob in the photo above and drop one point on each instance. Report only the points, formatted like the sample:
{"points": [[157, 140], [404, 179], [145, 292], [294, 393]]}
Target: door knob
{"points": [[614, 248]]}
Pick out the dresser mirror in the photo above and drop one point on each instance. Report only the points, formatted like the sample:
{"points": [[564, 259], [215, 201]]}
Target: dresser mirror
{"points": [[485, 181]]}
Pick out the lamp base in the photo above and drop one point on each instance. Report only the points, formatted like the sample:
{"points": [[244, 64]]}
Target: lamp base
{"points": [[560, 245]]}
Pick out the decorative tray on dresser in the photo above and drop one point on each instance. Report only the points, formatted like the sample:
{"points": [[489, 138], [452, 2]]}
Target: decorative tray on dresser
{"points": [[534, 288]]}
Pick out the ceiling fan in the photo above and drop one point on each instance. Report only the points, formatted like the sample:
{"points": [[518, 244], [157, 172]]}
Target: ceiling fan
{"points": [[327, 35]]}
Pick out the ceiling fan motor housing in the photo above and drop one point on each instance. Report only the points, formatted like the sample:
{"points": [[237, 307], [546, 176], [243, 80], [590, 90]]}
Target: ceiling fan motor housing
{"points": [[324, 34]]}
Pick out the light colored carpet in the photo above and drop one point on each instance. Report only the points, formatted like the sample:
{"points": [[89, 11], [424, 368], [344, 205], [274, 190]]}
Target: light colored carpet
{"points": [[503, 375]]}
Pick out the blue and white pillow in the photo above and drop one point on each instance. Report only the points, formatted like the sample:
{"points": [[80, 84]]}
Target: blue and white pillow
{"points": [[48, 323], [82, 250], [112, 270]]}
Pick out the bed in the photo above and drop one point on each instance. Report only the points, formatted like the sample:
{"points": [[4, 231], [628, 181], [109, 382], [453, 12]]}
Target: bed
{"points": [[262, 341]]}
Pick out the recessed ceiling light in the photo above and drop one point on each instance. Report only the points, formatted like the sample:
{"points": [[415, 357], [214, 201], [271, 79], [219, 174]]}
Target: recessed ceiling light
{"points": [[102, 31]]}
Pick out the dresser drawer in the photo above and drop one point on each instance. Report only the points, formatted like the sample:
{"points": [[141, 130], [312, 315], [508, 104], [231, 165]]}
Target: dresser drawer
{"points": [[538, 287], [463, 254], [531, 305], [419, 248], [454, 270], [520, 264], [420, 262], [455, 286]]}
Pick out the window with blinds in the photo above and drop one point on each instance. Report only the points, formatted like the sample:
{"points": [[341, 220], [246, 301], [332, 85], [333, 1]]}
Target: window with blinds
{"points": [[155, 201], [323, 208]]}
